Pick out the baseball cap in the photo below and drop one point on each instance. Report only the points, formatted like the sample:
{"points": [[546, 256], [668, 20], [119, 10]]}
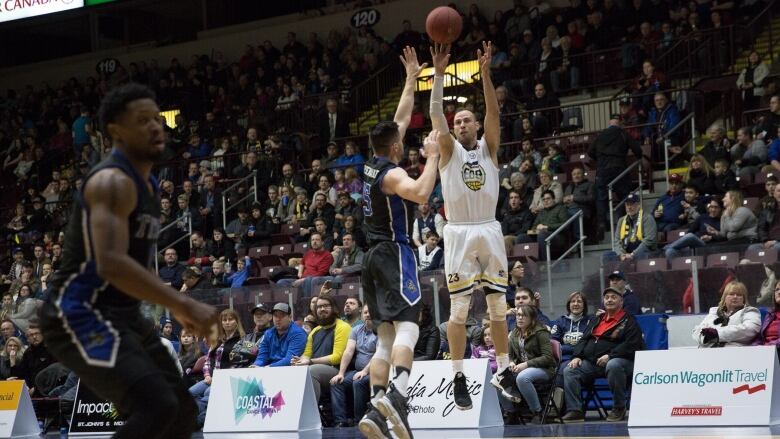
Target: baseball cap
{"points": [[617, 274], [632, 198], [18, 250], [611, 290], [259, 307], [283, 307], [675, 178]]}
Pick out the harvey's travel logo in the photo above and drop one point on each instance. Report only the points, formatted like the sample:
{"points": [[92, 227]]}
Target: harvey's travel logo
{"points": [[250, 398]]}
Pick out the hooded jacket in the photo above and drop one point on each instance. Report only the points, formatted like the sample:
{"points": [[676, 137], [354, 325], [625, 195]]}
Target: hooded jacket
{"points": [[537, 348], [568, 330]]}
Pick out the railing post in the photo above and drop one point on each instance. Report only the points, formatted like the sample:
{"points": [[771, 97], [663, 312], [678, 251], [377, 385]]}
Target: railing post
{"points": [[549, 276], [640, 181], [601, 278], [582, 249], [156, 259], [611, 219], [693, 135], [254, 179], [667, 144], [224, 212], [436, 313], [695, 281]]}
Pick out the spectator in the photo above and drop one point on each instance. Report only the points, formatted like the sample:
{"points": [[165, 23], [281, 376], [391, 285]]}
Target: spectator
{"points": [[737, 224], [725, 180], [351, 158], [552, 160], [769, 124], [515, 220], [352, 227], [732, 323], [691, 204], [325, 188], [11, 357], [483, 347], [668, 208], [282, 342], [8, 330], [353, 310], [230, 332], [769, 335], [701, 175], [617, 280], [569, 328], [749, 155], [347, 259], [327, 236], [527, 151], [610, 152], [605, 350], [260, 228], [662, 118], [430, 255], [262, 320], [547, 221], [26, 308], [325, 345], [300, 210], [290, 179], [531, 359], [35, 359], [566, 70], [327, 162], [347, 207], [718, 147], [427, 347], [427, 221], [650, 82], [546, 183], [768, 224], [751, 80], [524, 296], [516, 182], [407, 37], [197, 150], [316, 262], [39, 261], [222, 248], [544, 122], [635, 234], [579, 195], [7, 306], [320, 209], [171, 272], [361, 346], [332, 123], [286, 203], [237, 279], [189, 353], [768, 199], [200, 252]]}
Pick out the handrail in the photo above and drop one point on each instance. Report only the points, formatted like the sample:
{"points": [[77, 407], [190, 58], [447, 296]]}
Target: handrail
{"points": [[580, 243], [157, 251], [667, 141], [612, 207], [253, 176]]}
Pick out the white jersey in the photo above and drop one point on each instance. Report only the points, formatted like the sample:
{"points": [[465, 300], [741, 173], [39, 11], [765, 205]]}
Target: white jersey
{"points": [[469, 185]]}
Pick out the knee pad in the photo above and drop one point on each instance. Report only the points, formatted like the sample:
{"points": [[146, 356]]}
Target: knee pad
{"points": [[384, 341], [406, 334], [496, 306], [459, 309]]}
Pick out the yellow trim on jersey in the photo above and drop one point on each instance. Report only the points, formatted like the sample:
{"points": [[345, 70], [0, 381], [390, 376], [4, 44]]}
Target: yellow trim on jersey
{"points": [[463, 283], [496, 280]]}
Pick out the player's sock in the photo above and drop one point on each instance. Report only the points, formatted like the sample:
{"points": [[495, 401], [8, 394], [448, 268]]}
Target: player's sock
{"points": [[457, 366], [401, 380], [502, 361], [377, 393]]}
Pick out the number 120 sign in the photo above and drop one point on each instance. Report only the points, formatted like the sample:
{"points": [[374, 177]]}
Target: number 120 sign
{"points": [[365, 17]]}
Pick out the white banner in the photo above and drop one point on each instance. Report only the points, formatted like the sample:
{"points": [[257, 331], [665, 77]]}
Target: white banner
{"points": [[16, 9], [705, 387], [430, 396], [262, 399], [17, 417]]}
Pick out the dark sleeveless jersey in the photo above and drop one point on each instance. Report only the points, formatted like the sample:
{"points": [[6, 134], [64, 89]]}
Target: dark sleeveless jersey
{"points": [[386, 217], [77, 282]]}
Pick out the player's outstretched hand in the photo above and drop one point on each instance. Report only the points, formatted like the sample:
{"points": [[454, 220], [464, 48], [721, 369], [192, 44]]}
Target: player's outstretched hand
{"points": [[410, 62], [431, 144], [197, 317], [485, 56], [440, 55]]}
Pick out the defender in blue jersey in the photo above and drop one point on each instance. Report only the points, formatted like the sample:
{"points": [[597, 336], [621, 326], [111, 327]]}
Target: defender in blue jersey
{"points": [[92, 322], [389, 274]]}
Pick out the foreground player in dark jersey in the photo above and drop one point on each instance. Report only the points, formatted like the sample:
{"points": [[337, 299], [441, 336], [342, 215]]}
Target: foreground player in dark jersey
{"points": [[389, 275], [92, 323]]}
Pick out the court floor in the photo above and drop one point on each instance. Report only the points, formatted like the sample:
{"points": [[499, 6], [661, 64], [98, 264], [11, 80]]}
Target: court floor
{"points": [[585, 430]]}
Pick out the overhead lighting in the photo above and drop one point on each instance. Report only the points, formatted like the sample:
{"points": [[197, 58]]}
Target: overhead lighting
{"points": [[458, 99], [464, 72]]}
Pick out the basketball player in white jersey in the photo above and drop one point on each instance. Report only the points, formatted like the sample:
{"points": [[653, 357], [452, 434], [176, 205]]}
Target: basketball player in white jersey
{"points": [[474, 252]]}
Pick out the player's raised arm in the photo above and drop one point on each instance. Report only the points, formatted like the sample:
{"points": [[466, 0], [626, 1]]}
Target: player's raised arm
{"points": [[492, 125], [440, 55], [403, 114], [398, 182], [111, 197]]}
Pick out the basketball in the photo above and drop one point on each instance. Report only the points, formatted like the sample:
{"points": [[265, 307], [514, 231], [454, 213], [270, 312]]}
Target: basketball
{"points": [[443, 25]]}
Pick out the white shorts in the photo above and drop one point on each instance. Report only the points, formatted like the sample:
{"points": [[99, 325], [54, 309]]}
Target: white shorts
{"points": [[474, 257]]}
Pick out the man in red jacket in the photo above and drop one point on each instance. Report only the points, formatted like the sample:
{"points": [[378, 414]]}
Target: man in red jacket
{"points": [[316, 262]]}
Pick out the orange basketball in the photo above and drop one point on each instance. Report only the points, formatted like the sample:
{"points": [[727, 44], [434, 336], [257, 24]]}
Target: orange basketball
{"points": [[443, 25]]}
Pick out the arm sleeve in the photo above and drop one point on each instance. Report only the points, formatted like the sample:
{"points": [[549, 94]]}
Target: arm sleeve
{"points": [[440, 223], [745, 331], [308, 348], [436, 110], [295, 346], [340, 337], [357, 266], [436, 261], [546, 358], [207, 366], [632, 341], [617, 244]]}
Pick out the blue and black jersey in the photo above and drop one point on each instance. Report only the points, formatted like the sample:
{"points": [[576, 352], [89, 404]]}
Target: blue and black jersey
{"points": [[387, 217]]}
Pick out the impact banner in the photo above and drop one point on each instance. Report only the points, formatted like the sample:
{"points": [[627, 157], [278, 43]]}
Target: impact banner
{"points": [[92, 415]]}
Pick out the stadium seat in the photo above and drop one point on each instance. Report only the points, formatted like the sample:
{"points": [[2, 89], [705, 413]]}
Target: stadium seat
{"points": [[684, 263], [752, 203], [268, 272], [281, 249], [530, 250], [350, 288], [761, 177], [572, 119], [730, 259], [546, 390], [764, 256], [648, 265], [271, 261], [301, 247], [257, 281], [291, 229], [561, 178], [280, 239], [257, 252], [674, 235], [661, 237]]}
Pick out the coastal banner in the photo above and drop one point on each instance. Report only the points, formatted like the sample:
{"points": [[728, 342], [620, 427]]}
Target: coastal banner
{"points": [[731, 386]]}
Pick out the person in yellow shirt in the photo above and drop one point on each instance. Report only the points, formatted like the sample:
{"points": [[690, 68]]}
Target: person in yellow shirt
{"points": [[325, 345]]}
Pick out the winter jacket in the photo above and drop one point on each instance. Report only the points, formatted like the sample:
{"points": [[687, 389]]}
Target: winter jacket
{"points": [[753, 155], [725, 182], [517, 221], [741, 329], [553, 217], [649, 235], [699, 226], [766, 217], [427, 347], [276, 350], [537, 349], [620, 341], [672, 209], [740, 225], [568, 330], [761, 339], [703, 181], [584, 196], [611, 146]]}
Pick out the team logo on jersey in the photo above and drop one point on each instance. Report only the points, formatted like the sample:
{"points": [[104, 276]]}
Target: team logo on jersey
{"points": [[472, 156], [473, 175], [411, 286]]}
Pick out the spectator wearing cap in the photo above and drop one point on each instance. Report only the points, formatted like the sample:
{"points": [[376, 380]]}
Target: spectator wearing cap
{"points": [[610, 152], [635, 234], [281, 342], [171, 272], [353, 375], [668, 208], [262, 320], [606, 349], [698, 234], [259, 230], [617, 280], [39, 220]]}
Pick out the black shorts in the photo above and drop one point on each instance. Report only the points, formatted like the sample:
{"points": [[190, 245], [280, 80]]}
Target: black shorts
{"points": [[110, 352], [390, 283]]}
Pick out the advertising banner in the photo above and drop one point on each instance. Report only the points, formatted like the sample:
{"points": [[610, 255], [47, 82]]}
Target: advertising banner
{"points": [[92, 415], [731, 386], [17, 417], [16, 9]]}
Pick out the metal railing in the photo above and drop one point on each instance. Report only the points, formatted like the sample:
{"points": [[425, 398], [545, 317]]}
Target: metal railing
{"points": [[175, 223], [612, 207], [668, 142], [251, 192], [579, 243]]}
